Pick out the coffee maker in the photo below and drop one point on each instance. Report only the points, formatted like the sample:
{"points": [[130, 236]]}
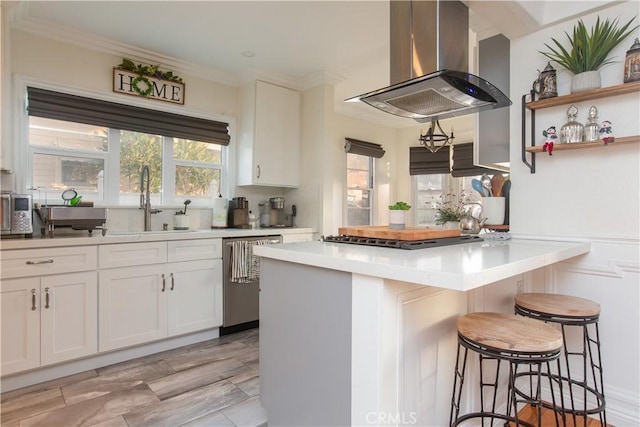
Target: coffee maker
{"points": [[272, 213], [239, 213]]}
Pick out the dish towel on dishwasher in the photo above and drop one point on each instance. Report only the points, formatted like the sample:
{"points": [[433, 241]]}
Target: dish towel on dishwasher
{"points": [[245, 267]]}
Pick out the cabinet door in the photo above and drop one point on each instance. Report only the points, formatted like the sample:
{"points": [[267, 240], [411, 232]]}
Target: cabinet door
{"points": [[132, 306], [277, 136], [20, 324], [195, 296], [68, 316]]}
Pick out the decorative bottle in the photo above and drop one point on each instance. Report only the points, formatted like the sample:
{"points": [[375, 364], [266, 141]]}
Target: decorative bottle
{"points": [[592, 127], [572, 131]]}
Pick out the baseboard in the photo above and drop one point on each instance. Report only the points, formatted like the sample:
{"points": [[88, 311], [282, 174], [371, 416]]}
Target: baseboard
{"points": [[36, 376]]}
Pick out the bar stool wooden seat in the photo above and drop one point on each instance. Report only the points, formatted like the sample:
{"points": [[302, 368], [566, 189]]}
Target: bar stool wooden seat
{"points": [[583, 379], [497, 338]]}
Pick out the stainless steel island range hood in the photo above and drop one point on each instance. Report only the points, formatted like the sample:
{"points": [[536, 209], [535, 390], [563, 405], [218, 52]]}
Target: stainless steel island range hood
{"points": [[429, 65]]}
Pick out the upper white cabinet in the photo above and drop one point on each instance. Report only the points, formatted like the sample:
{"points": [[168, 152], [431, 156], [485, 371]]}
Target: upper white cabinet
{"points": [[270, 133]]}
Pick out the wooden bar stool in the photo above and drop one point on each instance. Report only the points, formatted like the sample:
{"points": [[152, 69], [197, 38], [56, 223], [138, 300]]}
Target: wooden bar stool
{"points": [[573, 312], [516, 340]]}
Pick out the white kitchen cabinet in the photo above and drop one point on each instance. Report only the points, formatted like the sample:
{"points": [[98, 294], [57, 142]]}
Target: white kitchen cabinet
{"points": [[48, 319], [270, 134], [49, 306], [143, 303], [195, 297]]}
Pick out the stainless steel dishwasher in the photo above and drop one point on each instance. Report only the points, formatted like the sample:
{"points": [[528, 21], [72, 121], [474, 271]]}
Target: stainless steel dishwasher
{"points": [[240, 298]]}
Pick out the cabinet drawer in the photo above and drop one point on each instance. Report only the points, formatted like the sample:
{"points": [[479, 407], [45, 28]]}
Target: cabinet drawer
{"points": [[38, 262], [132, 254], [191, 250]]}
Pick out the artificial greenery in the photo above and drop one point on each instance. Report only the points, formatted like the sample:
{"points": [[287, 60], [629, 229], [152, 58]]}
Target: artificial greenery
{"points": [[451, 207], [399, 206], [589, 50], [148, 70]]}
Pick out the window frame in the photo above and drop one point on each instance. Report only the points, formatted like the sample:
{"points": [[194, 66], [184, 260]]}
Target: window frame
{"points": [[371, 189], [23, 153]]}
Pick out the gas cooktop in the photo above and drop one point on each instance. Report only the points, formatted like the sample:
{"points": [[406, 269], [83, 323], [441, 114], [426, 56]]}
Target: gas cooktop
{"points": [[402, 244]]}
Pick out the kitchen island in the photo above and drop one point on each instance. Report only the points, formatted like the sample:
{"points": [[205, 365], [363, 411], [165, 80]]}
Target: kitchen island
{"points": [[356, 335]]}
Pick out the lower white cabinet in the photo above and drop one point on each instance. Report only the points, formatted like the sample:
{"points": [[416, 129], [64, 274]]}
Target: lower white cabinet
{"points": [[48, 319], [151, 302]]}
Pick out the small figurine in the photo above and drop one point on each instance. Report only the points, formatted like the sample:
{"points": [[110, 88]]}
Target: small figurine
{"points": [[606, 134], [550, 135]]}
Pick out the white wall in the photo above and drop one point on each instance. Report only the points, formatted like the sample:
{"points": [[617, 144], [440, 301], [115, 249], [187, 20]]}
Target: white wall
{"points": [[592, 195]]}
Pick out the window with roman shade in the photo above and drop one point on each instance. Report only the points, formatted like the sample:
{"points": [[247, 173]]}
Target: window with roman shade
{"points": [[424, 162], [463, 162], [72, 108], [99, 148], [360, 180]]}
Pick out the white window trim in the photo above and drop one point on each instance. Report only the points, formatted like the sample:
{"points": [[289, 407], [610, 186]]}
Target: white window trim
{"points": [[20, 135], [372, 210]]}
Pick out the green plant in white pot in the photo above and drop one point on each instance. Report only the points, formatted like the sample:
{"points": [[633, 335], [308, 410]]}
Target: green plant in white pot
{"points": [[588, 51], [397, 217]]}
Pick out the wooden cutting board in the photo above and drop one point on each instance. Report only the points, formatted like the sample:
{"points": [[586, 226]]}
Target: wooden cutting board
{"points": [[409, 233]]}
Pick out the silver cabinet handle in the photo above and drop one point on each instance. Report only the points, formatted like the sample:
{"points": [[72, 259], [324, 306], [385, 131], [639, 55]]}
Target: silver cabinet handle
{"points": [[33, 299], [173, 281], [258, 177], [47, 261], [46, 297], [164, 282]]}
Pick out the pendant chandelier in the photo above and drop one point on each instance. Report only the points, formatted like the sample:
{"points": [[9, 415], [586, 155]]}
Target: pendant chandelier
{"points": [[433, 141]]}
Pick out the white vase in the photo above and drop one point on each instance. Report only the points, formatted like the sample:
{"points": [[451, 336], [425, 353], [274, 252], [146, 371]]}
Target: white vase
{"points": [[585, 81], [451, 225], [396, 219]]}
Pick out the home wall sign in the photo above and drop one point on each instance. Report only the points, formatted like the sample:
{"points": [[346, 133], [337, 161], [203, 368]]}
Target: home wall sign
{"points": [[148, 82]]}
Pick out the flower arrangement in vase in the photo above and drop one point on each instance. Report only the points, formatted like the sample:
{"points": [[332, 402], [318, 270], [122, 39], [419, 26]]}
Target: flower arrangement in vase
{"points": [[451, 209], [588, 51], [397, 217]]}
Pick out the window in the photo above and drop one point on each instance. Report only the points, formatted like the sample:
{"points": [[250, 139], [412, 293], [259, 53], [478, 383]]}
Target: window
{"points": [[359, 189], [429, 191], [102, 162]]}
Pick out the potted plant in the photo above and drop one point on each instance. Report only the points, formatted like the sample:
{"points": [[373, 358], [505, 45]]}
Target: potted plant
{"points": [[588, 51], [397, 215], [450, 210]]}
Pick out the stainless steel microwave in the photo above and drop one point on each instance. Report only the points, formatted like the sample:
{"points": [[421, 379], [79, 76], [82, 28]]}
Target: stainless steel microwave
{"points": [[16, 214]]}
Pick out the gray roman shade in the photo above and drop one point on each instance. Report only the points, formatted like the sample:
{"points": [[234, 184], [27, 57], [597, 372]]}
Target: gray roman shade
{"points": [[73, 108], [424, 162], [355, 146], [463, 161]]}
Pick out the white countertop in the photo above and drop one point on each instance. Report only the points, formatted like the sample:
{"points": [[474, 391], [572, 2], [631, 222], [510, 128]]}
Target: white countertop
{"points": [[83, 238], [458, 267]]}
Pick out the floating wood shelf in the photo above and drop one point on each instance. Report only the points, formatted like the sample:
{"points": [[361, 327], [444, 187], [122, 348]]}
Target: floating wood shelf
{"points": [[622, 89], [579, 145], [558, 101]]}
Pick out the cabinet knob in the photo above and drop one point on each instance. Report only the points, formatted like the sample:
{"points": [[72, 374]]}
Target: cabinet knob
{"points": [[46, 297], [33, 299], [258, 177], [173, 280], [164, 282]]}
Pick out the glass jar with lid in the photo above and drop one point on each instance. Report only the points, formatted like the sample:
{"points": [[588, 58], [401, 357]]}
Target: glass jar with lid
{"points": [[592, 127], [572, 131]]}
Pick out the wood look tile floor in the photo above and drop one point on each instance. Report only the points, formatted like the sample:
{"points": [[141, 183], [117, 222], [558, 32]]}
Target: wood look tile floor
{"points": [[213, 383]]}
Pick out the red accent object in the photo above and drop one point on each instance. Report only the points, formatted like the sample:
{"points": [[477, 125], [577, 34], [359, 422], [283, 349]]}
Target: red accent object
{"points": [[548, 146]]}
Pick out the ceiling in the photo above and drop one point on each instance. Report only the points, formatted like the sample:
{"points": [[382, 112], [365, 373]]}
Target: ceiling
{"points": [[293, 42]]}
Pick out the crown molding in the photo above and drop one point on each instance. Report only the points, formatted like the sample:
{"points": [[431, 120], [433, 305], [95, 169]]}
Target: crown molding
{"points": [[92, 42], [320, 77]]}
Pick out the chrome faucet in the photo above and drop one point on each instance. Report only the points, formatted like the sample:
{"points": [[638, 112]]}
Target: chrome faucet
{"points": [[145, 198]]}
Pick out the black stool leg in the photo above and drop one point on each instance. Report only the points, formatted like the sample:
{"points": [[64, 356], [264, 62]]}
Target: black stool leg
{"points": [[458, 381], [596, 366]]}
